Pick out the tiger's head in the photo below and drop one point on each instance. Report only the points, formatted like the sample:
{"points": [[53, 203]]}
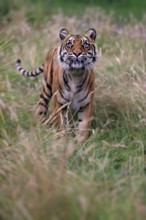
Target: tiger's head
{"points": [[77, 51]]}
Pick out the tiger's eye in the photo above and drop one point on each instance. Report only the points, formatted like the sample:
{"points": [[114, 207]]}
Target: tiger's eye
{"points": [[86, 44], [69, 44]]}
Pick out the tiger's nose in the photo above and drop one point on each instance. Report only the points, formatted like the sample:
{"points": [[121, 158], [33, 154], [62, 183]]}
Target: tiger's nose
{"points": [[77, 53]]}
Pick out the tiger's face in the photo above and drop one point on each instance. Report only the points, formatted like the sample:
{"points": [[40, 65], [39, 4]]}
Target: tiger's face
{"points": [[77, 51]]}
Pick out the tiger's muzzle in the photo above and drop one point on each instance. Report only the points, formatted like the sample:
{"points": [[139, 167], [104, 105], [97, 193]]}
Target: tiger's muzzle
{"points": [[77, 61]]}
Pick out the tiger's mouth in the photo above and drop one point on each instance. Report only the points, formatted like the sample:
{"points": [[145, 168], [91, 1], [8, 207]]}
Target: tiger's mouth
{"points": [[73, 62], [77, 64]]}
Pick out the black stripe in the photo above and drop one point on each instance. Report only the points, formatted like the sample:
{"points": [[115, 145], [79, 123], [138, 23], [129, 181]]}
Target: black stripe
{"points": [[50, 88], [89, 82], [28, 73], [94, 53], [41, 69], [40, 113], [43, 104], [94, 48], [60, 103], [33, 73], [24, 71], [51, 75], [64, 54], [81, 85], [63, 96], [46, 93], [46, 100], [20, 68], [87, 93], [90, 53], [79, 120], [69, 76], [61, 57], [81, 109], [59, 87], [60, 50], [93, 59], [18, 61], [66, 82]]}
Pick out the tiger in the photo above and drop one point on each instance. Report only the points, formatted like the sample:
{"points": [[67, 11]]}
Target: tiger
{"points": [[68, 79]]}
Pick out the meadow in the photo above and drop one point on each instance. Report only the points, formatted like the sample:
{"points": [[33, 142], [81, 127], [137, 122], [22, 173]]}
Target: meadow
{"points": [[45, 178]]}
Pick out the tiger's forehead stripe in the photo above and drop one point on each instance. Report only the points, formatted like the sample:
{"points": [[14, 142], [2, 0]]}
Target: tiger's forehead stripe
{"points": [[71, 39], [83, 38]]}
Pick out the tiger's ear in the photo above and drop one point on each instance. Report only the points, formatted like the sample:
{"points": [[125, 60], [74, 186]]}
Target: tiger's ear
{"points": [[91, 33], [63, 33]]}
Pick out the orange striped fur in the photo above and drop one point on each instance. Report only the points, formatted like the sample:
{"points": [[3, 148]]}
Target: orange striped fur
{"points": [[68, 78]]}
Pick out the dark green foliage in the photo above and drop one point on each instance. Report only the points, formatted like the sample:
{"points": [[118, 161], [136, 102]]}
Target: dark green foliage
{"points": [[38, 11]]}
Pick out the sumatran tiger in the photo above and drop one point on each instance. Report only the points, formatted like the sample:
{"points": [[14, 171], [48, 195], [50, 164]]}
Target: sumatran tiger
{"points": [[68, 78]]}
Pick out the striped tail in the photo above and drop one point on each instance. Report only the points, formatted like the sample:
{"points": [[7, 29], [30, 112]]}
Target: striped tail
{"points": [[24, 72]]}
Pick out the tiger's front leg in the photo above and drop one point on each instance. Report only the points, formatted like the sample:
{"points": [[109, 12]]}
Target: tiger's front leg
{"points": [[58, 113], [44, 100], [60, 117], [56, 116], [84, 119]]}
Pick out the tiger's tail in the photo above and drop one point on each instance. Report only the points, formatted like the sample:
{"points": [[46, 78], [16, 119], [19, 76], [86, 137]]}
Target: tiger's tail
{"points": [[24, 72]]}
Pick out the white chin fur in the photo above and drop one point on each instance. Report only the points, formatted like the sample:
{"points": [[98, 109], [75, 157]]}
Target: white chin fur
{"points": [[77, 65]]}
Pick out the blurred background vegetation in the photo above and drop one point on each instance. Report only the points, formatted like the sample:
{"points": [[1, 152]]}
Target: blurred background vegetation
{"points": [[38, 10]]}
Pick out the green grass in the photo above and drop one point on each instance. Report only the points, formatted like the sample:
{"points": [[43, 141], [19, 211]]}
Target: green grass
{"points": [[42, 177]]}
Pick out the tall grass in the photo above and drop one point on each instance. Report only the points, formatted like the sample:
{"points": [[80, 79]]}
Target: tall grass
{"points": [[42, 177]]}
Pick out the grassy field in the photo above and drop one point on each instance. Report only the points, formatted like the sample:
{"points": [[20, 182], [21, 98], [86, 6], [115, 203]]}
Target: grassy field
{"points": [[42, 178]]}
